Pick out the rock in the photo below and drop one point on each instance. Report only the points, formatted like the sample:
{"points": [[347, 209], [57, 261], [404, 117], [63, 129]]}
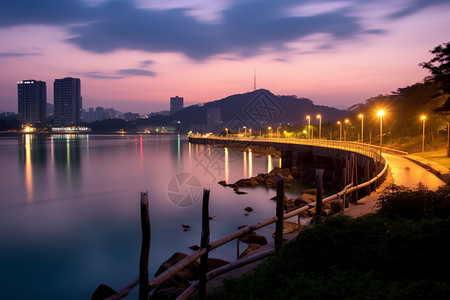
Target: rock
{"points": [[289, 227], [194, 247], [307, 198], [250, 248], [214, 263], [240, 192], [168, 293], [102, 292], [291, 204], [269, 181], [253, 238], [260, 178], [285, 198], [184, 275], [281, 172], [246, 182], [223, 183], [249, 209]]}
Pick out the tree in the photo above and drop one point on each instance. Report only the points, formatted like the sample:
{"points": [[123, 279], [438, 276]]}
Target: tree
{"points": [[439, 66]]}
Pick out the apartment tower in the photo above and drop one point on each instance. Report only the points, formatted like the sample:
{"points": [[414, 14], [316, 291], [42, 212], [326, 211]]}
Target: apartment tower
{"points": [[67, 101], [32, 101]]}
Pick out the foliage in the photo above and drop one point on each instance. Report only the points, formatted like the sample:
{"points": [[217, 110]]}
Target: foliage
{"points": [[372, 257], [400, 201], [439, 66]]}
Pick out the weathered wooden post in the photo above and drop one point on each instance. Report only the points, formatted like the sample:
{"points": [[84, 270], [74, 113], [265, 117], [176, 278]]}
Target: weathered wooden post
{"points": [[279, 212], [319, 186], [204, 244], [145, 248]]}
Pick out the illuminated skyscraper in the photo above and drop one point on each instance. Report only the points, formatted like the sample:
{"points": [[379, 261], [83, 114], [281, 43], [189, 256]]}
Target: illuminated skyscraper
{"points": [[176, 103], [67, 101], [32, 101]]}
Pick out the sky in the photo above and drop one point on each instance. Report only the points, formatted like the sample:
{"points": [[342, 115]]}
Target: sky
{"points": [[133, 55]]}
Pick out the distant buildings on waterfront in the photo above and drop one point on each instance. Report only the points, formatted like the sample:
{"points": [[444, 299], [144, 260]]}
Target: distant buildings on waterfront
{"points": [[176, 104], [32, 101]]}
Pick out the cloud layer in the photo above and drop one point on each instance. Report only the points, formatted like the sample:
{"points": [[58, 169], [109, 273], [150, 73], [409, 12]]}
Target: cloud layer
{"points": [[245, 28]]}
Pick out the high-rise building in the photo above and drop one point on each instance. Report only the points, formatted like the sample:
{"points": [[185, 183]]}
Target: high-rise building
{"points": [[213, 116], [176, 103], [32, 101], [67, 101]]}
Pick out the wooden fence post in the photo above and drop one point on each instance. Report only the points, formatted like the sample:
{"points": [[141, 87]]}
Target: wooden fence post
{"points": [[145, 248], [319, 175], [204, 244], [279, 212]]}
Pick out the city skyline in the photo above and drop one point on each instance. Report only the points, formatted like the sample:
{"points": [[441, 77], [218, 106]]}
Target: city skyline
{"points": [[134, 56]]}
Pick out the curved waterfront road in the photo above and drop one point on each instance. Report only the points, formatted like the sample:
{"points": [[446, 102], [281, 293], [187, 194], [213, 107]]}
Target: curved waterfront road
{"points": [[407, 173]]}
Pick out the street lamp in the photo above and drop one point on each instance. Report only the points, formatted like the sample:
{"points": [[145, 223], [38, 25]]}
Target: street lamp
{"points": [[381, 114], [320, 125], [340, 130], [423, 132], [250, 131], [309, 126], [226, 130], [345, 129], [362, 127], [270, 129]]}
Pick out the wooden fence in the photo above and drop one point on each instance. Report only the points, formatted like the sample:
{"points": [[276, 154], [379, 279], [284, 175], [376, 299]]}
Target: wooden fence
{"points": [[206, 247]]}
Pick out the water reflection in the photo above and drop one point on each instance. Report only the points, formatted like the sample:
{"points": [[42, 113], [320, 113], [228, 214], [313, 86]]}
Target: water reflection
{"points": [[250, 163], [227, 165], [269, 163]]}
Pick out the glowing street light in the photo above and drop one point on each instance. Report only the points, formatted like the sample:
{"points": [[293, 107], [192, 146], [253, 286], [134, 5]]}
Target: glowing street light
{"points": [[226, 130], [270, 129], [345, 129], [423, 132], [340, 130], [320, 125], [362, 127], [381, 114], [309, 126]]}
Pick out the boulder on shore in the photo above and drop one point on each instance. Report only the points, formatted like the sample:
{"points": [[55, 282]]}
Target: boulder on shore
{"points": [[253, 238], [250, 248]]}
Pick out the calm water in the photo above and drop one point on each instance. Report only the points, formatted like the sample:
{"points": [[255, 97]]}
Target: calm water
{"points": [[69, 207]]}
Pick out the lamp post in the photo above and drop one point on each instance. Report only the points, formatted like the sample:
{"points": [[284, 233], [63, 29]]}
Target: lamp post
{"points": [[226, 130], [309, 126], [270, 129], [320, 125], [423, 132], [381, 114], [362, 127], [340, 130], [250, 131], [345, 129]]}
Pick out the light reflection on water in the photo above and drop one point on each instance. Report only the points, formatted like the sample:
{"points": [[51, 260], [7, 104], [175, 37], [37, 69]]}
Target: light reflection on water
{"points": [[69, 207]]}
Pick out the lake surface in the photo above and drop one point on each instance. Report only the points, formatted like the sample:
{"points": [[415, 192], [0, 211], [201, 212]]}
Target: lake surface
{"points": [[69, 207]]}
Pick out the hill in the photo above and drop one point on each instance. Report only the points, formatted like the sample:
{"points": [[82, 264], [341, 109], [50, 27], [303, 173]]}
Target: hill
{"points": [[257, 110]]}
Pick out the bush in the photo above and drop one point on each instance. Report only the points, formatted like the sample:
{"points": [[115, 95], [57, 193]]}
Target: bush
{"points": [[399, 201], [371, 257]]}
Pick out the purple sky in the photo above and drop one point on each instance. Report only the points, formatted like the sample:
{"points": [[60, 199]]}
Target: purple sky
{"points": [[133, 56]]}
